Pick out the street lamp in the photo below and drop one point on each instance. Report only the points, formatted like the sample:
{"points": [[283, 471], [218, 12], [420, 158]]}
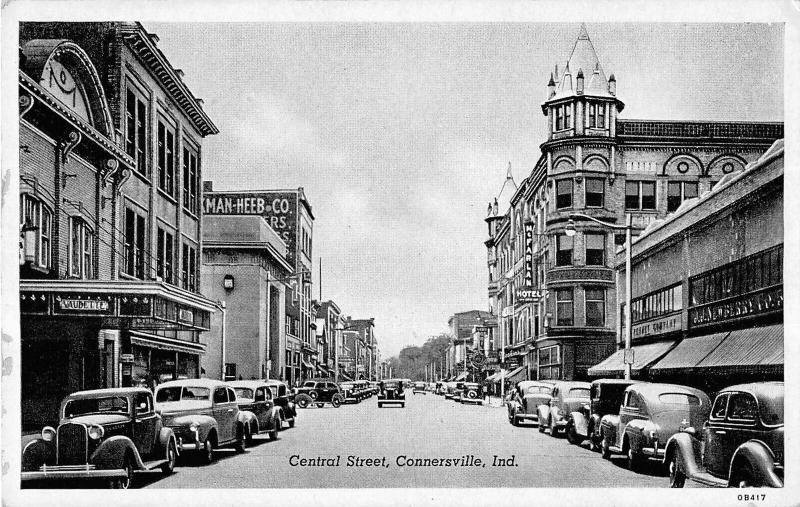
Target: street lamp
{"points": [[570, 231]]}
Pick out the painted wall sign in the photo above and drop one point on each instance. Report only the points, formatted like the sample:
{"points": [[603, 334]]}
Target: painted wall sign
{"points": [[657, 327], [748, 305]]}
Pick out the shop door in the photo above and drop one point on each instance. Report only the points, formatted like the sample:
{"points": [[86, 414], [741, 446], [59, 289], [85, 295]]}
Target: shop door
{"points": [[108, 364]]}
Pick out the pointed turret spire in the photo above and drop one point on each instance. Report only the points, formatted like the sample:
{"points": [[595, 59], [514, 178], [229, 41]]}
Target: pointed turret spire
{"points": [[508, 174]]}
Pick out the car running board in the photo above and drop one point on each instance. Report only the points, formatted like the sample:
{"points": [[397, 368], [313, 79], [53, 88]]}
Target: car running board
{"points": [[615, 449], [151, 465], [706, 478]]}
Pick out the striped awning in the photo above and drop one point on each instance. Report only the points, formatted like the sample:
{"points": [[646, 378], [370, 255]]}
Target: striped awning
{"points": [[688, 353], [643, 356], [749, 348], [516, 375]]}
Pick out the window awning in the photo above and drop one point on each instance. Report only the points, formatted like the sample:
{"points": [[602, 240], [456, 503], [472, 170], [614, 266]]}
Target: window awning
{"points": [[643, 356], [688, 353], [461, 376], [345, 376], [495, 377], [751, 349], [516, 375], [308, 365]]}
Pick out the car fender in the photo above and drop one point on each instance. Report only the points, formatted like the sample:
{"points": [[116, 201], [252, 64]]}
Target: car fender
{"points": [[636, 432], [37, 453], [166, 437], [246, 419], [608, 428], [761, 460], [205, 424], [274, 417], [543, 412], [513, 407], [112, 451], [687, 448], [580, 423], [593, 424]]}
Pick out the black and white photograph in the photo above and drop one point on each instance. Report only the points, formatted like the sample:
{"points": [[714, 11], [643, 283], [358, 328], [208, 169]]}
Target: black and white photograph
{"points": [[375, 253]]}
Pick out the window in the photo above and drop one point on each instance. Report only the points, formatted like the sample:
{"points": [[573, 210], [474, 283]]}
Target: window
{"points": [[720, 404], [34, 214], [559, 118], [595, 192], [261, 395], [755, 272], [595, 307], [640, 195], [80, 249], [596, 116], [679, 399], [135, 131], [134, 244], [166, 159], [564, 250], [189, 271], [220, 393], [165, 253], [595, 249], [591, 116], [549, 363], [564, 307], [564, 193], [190, 181], [231, 394], [657, 304], [567, 115], [679, 191]]}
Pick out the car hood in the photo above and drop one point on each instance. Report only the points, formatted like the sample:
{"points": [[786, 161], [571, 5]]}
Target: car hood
{"points": [[101, 419], [174, 408]]}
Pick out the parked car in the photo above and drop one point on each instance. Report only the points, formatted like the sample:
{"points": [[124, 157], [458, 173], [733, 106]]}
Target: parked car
{"points": [[471, 392], [649, 415], [525, 399], [605, 398], [373, 387], [106, 434], [204, 414], [319, 393], [255, 396], [350, 392], [453, 388], [741, 444], [566, 397], [391, 393], [284, 400], [419, 387], [440, 388]]}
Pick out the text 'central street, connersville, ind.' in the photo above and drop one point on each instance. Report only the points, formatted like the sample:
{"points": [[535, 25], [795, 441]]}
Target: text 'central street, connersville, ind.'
{"points": [[402, 460]]}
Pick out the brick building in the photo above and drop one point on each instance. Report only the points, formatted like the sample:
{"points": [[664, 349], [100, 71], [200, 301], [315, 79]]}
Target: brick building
{"points": [[555, 294], [110, 165], [462, 325]]}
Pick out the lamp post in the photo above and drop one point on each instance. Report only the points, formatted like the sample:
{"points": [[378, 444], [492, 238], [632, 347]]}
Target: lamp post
{"points": [[570, 231]]}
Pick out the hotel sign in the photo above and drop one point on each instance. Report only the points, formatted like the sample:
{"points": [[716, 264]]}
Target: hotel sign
{"points": [[528, 295], [747, 305], [657, 327]]}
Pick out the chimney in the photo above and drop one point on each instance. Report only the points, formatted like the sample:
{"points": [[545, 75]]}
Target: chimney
{"points": [[579, 86], [612, 85]]}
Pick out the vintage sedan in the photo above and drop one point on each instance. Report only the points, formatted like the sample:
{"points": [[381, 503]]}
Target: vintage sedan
{"points": [[106, 434], [419, 387], [526, 398], [350, 392], [391, 393], [605, 398], [741, 444], [284, 400], [472, 392], [566, 397], [204, 414], [649, 415], [453, 388], [255, 396], [319, 393]]}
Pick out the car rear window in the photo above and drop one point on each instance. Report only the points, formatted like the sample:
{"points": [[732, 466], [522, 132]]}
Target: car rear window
{"points": [[243, 392], [679, 399], [579, 392], [346, 385]]}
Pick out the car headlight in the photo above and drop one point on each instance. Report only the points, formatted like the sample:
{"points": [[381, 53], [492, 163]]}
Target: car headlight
{"points": [[96, 432], [194, 425], [48, 433], [654, 435]]}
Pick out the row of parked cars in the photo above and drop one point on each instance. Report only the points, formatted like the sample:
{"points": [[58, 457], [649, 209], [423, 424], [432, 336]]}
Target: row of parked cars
{"points": [[735, 441], [112, 434], [462, 392]]}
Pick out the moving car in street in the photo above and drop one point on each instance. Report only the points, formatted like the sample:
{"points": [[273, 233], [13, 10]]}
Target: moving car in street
{"points": [[284, 400], [350, 392], [104, 434], [741, 444], [391, 393], [525, 400], [419, 387], [472, 392], [204, 414], [566, 397], [605, 398], [318, 392], [255, 396], [649, 415]]}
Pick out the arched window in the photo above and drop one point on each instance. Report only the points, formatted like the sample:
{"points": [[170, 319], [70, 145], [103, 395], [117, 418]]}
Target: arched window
{"points": [[80, 248], [34, 214]]}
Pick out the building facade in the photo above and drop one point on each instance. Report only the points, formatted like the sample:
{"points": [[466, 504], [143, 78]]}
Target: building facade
{"points": [[329, 329], [245, 266], [110, 165], [289, 214], [707, 286], [462, 326], [555, 294], [361, 348]]}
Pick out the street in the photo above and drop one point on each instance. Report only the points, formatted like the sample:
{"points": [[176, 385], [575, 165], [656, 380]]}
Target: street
{"points": [[428, 427]]}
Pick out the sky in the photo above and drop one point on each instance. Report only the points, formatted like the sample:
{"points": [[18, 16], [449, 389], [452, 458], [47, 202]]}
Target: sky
{"points": [[401, 134]]}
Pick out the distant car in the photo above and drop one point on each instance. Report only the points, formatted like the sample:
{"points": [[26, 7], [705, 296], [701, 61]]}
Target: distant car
{"points": [[255, 396], [319, 393], [419, 387], [284, 400], [649, 415], [350, 392], [605, 397], [104, 434], [525, 400], [440, 388], [741, 444], [566, 397], [204, 414], [472, 392], [391, 393], [453, 388]]}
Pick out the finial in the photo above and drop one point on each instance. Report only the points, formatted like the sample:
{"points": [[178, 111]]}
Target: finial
{"points": [[508, 175], [551, 82], [580, 73], [612, 78]]}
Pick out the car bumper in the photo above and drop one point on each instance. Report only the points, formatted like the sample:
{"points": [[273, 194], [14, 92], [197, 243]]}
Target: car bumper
{"points": [[527, 417], [654, 452], [72, 472], [561, 423], [189, 442]]}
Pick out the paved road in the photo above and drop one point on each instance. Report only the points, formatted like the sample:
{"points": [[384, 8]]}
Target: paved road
{"points": [[428, 427]]}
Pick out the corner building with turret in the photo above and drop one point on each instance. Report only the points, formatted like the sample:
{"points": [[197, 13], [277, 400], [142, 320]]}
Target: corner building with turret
{"points": [[555, 295]]}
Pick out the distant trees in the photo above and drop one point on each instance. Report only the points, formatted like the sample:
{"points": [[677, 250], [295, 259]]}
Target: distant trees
{"points": [[413, 359]]}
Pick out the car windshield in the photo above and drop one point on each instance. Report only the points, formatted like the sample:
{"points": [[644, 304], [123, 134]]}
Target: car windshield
{"points": [[679, 399], [178, 393], [274, 390], [538, 389], [115, 404], [390, 385], [347, 385], [309, 384], [579, 392], [612, 391], [243, 392]]}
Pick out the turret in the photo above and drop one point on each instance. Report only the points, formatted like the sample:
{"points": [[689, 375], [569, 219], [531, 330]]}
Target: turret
{"points": [[567, 80]]}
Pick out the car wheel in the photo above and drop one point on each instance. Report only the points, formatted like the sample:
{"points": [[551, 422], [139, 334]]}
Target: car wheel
{"points": [[249, 435], [676, 476], [605, 452], [207, 455], [472, 395], [551, 430], [172, 456], [634, 460], [303, 400], [313, 395], [273, 434], [336, 402], [241, 441], [124, 482], [744, 478], [594, 445], [540, 426], [291, 422], [572, 435], [513, 420]]}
